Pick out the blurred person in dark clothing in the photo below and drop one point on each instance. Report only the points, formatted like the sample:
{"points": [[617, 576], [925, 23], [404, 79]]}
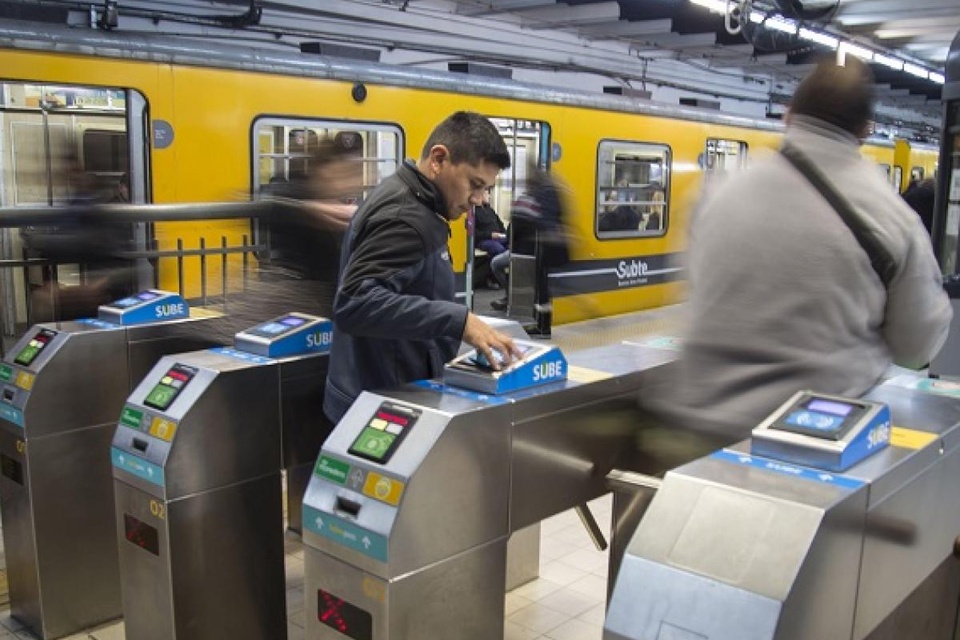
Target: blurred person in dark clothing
{"points": [[541, 212], [489, 233], [920, 196]]}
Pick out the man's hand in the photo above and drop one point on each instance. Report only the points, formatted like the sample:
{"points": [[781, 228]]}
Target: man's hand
{"points": [[484, 338]]}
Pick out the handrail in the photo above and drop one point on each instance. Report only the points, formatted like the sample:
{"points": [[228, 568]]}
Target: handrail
{"points": [[13, 217]]}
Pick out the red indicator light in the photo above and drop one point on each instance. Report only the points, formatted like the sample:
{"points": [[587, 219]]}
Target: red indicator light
{"points": [[344, 617], [392, 418]]}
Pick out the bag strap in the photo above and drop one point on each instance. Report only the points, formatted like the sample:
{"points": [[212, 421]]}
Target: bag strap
{"points": [[881, 259]]}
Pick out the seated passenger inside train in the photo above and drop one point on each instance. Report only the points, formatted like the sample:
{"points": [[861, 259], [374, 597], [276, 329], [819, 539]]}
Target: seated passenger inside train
{"points": [[619, 216]]}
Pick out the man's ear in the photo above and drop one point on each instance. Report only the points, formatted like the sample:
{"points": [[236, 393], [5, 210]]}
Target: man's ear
{"points": [[437, 156]]}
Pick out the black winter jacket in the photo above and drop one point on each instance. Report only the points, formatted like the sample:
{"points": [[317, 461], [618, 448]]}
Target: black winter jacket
{"points": [[395, 318]]}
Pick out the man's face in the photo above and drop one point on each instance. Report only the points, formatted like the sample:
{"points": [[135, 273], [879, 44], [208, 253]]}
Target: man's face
{"points": [[461, 185]]}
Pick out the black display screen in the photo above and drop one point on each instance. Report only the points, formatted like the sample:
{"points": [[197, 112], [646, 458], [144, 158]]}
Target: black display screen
{"points": [[141, 534], [348, 619], [821, 418], [384, 431], [169, 387], [30, 352]]}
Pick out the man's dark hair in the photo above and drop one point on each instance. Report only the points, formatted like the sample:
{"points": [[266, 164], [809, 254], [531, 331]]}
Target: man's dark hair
{"points": [[840, 95], [470, 138]]}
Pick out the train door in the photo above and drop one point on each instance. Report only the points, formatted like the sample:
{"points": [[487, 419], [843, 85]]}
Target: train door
{"points": [[287, 151], [61, 145], [528, 142]]}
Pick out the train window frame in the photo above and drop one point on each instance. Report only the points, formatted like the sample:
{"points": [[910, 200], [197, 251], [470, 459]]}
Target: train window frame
{"points": [[710, 163], [608, 152], [338, 127], [112, 110]]}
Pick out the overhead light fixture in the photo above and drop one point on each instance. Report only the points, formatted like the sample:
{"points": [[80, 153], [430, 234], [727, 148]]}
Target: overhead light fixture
{"points": [[781, 24], [888, 61], [937, 77], [717, 6], [819, 38], [757, 17], [848, 48], [916, 70]]}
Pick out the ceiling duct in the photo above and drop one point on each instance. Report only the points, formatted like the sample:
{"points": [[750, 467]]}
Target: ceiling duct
{"points": [[33, 12], [700, 102], [340, 51], [475, 69], [629, 92]]}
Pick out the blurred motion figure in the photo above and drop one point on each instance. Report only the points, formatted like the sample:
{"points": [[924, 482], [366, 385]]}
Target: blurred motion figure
{"points": [[783, 295]]}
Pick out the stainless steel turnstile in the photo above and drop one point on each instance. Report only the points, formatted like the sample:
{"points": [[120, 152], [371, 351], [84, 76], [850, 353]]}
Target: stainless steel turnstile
{"points": [[63, 386], [740, 547], [406, 533], [197, 461]]}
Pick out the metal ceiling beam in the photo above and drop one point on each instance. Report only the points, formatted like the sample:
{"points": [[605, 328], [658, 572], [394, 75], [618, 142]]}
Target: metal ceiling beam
{"points": [[562, 15], [677, 41], [892, 7], [477, 9], [625, 29]]}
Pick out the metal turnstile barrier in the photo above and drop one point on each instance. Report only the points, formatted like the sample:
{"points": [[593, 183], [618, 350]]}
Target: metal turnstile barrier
{"points": [[197, 463], [63, 385], [416, 492], [740, 546]]}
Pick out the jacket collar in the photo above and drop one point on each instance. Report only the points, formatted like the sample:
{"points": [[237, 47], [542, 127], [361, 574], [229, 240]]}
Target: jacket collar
{"points": [[423, 189]]}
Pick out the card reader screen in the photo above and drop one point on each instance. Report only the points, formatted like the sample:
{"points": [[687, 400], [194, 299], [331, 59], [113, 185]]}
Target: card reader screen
{"points": [[147, 296], [382, 434], [279, 325], [140, 298], [169, 387], [821, 418], [141, 534], [30, 352]]}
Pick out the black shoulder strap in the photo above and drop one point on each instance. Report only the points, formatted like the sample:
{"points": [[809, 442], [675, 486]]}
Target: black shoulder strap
{"points": [[880, 258]]}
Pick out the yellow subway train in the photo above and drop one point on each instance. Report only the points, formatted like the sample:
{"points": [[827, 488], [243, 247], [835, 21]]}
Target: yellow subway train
{"points": [[191, 122]]}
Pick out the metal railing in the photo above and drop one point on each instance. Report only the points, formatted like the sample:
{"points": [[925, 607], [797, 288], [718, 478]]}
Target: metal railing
{"points": [[18, 299]]}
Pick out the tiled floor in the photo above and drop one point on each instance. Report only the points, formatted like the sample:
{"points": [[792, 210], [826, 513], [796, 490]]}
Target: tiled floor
{"points": [[565, 603]]}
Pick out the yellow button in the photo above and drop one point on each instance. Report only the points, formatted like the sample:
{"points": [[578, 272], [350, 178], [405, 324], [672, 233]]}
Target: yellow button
{"points": [[383, 488], [163, 429], [25, 380], [166, 380], [379, 424]]}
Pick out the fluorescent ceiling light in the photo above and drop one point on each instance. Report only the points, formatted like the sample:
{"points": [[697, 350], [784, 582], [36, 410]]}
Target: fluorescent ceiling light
{"points": [[780, 24], [916, 70], [848, 48], [888, 61], [757, 17], [937, 77], [717, 6], [819, 38]]}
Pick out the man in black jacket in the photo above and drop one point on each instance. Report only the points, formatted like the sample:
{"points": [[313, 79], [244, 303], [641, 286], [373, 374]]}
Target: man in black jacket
{"points": [[395, 317]]}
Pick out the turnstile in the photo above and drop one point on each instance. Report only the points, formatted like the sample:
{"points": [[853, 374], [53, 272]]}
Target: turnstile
{"points": [[62, 386], [740, 546], [197, 458], [414, 496]]}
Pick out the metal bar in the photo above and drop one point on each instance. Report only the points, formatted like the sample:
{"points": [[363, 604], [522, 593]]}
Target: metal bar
{"points": [[619, 479], [246, 262], [223, 270], [132, 213], [203, 271], [590, 524], [180, 266]]}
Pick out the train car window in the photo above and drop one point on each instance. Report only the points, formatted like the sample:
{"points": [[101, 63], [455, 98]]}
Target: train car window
{"points": [[897, 177], [69, 143], [283, 149], [916, 174], [526, 141], [633, 189], [887, 170], [724, 155]]}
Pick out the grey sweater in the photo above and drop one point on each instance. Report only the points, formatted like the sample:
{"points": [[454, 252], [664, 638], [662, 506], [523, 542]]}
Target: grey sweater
{"points": [[783, 298]]}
